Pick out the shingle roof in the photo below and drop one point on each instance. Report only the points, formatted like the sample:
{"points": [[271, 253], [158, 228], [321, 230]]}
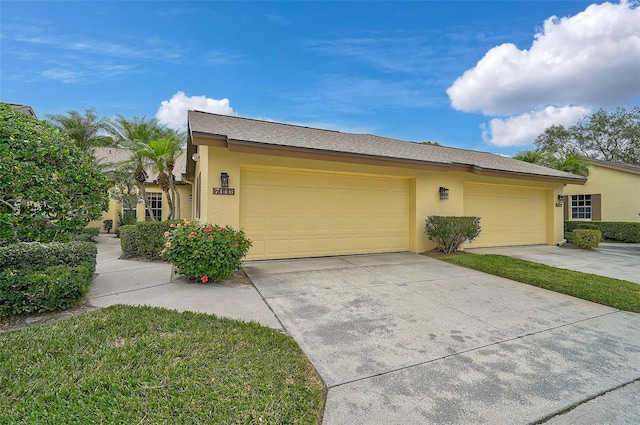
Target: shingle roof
{"points": [[274, 134], [112, 156], [620, 166]]}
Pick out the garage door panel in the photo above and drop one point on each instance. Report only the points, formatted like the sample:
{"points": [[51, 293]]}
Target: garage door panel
{"points": [[508, 215], [313, 214]]}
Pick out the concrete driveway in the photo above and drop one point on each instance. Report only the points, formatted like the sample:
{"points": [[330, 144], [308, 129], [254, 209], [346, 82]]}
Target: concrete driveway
{"points": [[406, 339], [617, 260]]}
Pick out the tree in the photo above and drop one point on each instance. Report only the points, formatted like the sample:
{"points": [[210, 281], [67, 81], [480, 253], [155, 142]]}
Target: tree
{"points": [[163, 152], [611, 136], [49, 187], [136, 134], [88, 131], [571, 163]]}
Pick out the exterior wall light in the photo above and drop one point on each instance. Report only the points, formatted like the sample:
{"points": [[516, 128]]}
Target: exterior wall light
{"points": [[195, 156], [224, 180], [444, 193]]}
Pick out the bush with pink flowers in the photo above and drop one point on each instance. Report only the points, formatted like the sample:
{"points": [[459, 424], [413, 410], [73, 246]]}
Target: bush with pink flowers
{"points": [[205, 252]]}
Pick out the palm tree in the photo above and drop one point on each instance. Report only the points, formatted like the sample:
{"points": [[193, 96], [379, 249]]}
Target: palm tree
{"points": [[163, 153], [574, 164], [571, 163], [534, 157], [136, 135], [88, 131]]}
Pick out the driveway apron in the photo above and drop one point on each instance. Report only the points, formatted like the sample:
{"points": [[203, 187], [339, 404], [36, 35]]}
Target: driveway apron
{"points": [[402, 338]]}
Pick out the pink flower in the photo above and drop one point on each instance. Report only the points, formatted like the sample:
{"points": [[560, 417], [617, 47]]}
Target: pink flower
{"points": [[166, 234], [186, 223], [164, 250], [235, 245], [172, 226], [178, 226], [208, 228], [221, 229], [168, 244], [205, 279], [210, 236]]}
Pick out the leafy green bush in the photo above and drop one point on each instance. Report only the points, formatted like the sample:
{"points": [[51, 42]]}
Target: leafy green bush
{"points": [[107, 225], [586, 238], [204, 251], [38, 256], [448, 233], [39, 277], [611, 230], [150, 237], [50, 188], [129, 240], [37, 291]]}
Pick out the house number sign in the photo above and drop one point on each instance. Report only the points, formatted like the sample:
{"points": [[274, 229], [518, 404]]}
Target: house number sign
{"points": [[224, 191]]}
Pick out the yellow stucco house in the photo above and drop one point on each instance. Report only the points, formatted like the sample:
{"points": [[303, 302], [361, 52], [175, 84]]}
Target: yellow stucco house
{"points": [[157, 198], [306, 192], [611, 193]]}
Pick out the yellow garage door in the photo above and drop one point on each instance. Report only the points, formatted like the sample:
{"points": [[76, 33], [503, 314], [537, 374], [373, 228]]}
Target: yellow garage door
{"points": [[508, 215], [291, 214]]}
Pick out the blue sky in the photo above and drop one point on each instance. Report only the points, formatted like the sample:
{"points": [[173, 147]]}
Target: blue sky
{"points": [[471, 74]]}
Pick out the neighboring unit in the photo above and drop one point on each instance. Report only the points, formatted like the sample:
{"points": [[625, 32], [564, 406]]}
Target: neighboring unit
{"points": [[305, 192], [109, 157], [611, 193]]}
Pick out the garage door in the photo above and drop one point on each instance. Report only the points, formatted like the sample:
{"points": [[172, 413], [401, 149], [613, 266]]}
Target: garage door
{"points": [[291, 214], [509, 215]]}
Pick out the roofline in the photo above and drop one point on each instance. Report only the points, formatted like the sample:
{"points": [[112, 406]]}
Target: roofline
{"points": [[243, 146], [619, 166]]}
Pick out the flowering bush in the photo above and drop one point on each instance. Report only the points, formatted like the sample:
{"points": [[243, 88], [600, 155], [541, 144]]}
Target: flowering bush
{"points": [[205, 251]]}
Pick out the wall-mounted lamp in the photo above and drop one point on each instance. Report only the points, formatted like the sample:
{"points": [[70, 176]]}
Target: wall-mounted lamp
{"points": [[224, 180], [444, 193], [560, 198], [195, 156]]}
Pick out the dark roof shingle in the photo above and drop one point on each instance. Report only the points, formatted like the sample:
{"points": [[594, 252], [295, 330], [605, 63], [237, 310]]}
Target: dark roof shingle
{"points": [[293, 136]]}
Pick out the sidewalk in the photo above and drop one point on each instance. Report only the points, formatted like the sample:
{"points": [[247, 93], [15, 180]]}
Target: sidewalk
{"points": [[135, 282]]}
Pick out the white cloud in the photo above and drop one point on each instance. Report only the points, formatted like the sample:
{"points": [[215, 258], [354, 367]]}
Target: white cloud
{"points": [[522, 129], [591, 58], [173, 112]]}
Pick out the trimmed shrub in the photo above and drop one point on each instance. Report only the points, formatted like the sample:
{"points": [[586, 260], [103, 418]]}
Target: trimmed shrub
{"points": [[38, 256], [39, 277], [107, 225], [37, 291], [205, 251], [449, 233], [611, 230], [150, 237], [586, 238], [128, 240]]}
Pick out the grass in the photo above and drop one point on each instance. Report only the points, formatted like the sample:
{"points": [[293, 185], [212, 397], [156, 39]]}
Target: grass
{"points": [[615, 293], [143, 365]]}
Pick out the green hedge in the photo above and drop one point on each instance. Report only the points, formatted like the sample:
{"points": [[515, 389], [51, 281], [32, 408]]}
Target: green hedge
{"points": [[611, 230], [51, 289], [586, 238], [144, 239], [128, 240], [38, 256], [39, 277]]}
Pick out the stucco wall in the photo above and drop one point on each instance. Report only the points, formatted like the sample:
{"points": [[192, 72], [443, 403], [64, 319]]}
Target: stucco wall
{"points": [[620, 192], [225, 209]]}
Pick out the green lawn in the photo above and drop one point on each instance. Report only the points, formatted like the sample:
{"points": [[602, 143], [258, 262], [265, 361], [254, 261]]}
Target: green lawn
{"points": [[616, 293], [143, 365]]}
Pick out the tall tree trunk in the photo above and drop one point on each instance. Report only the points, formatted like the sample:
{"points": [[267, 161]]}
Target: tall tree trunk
{"points": [[176, 197], [147, 207], [171, 207]]}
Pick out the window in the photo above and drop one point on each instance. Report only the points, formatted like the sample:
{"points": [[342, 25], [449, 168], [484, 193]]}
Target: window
{"points": [[155, 204], [581, 207]]}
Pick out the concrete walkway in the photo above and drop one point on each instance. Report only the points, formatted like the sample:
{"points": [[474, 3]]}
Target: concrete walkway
{"points": [[151, 283], [406, 339]]}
